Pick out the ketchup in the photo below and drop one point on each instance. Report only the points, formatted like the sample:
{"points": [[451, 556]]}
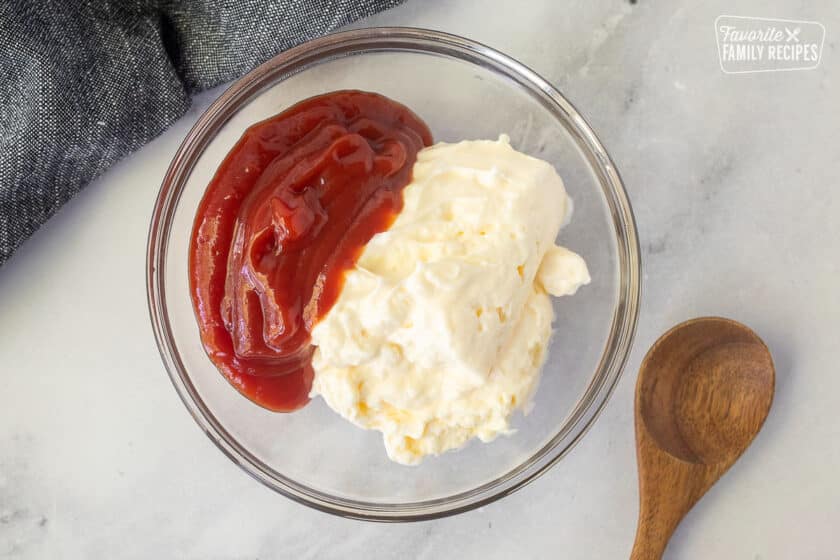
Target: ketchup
{"points": [[288, 212]]}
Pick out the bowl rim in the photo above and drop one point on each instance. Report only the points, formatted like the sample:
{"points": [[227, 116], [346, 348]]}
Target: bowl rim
{"points": [[424, 41]]}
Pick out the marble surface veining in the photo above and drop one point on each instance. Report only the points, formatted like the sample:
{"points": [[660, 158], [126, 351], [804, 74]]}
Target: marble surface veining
{"points": [[733, 182]]}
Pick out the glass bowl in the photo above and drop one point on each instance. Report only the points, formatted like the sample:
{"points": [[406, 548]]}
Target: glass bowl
{"points": [[463, 90]]}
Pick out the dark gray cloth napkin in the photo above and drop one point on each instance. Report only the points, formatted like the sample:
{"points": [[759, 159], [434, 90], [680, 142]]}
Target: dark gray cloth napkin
{"points": [[85, 82]]}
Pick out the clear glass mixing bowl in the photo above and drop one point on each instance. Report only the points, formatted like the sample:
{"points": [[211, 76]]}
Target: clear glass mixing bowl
{"points": [[463, 90]]}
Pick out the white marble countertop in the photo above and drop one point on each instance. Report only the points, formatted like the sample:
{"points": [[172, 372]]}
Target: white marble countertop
{"points": [[733, 181]]}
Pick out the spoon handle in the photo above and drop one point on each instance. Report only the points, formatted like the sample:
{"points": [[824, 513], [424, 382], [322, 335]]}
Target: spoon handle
{"points": [[668, 488], [648, 545]]}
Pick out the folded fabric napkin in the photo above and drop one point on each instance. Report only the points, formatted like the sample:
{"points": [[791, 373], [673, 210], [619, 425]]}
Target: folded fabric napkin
{"points": [[85, 82]]}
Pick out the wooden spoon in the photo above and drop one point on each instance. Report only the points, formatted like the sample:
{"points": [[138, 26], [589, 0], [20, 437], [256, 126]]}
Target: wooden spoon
{"points": [[704, 390]]}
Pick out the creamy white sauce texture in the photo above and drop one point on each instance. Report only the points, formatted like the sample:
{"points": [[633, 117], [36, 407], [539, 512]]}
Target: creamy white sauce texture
{"points": [[441, 329]]}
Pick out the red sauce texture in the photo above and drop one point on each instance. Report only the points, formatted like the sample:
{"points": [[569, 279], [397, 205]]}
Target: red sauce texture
{"points": [[288, 212]]}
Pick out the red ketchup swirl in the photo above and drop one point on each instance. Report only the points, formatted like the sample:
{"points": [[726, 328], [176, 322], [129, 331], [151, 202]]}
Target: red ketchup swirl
{"points": [[288, 212]]}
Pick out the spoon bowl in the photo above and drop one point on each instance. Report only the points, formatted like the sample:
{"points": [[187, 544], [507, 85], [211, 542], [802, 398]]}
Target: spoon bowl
{"points": [[703, 393]]}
